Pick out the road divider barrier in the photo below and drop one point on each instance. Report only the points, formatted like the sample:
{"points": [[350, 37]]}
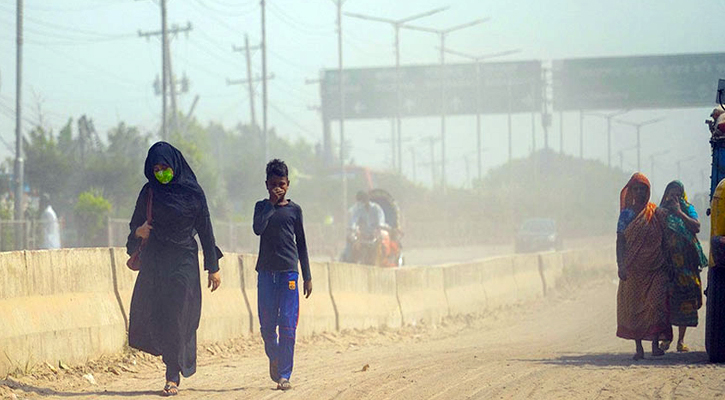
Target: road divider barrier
{"points": [[72, 305]]}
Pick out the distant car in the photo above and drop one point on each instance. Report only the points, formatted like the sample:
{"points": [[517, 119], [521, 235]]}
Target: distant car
{"points": [[537, 234]]}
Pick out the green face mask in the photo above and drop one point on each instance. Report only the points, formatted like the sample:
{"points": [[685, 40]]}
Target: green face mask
{"points": [[164, 176]]}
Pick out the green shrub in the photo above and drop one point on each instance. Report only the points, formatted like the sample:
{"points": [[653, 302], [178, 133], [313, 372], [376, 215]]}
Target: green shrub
{"points": [[91, 218]]}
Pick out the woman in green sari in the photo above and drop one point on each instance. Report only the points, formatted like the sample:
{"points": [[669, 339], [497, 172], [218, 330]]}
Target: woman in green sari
{"points": [[685, 258]]}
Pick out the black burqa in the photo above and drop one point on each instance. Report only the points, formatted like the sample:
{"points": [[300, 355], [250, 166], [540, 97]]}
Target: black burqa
{"points": [[166, 303]]}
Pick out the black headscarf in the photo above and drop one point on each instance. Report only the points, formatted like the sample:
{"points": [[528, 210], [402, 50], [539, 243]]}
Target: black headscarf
{"points": [[183, 192]]}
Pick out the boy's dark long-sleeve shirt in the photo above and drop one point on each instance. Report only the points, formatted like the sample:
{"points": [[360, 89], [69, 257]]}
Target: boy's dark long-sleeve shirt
{"points": [[282, 238]]}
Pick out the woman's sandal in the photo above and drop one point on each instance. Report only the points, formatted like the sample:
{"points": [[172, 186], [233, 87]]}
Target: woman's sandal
{"points": [[170, 389], [284, 384], [682, 348]]}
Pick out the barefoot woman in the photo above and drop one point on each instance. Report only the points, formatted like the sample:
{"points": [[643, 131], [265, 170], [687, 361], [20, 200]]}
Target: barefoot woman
{"points": [[642, 308], [685, 257]]}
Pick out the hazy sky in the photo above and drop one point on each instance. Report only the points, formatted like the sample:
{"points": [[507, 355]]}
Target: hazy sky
{"points": [[85, 57]]}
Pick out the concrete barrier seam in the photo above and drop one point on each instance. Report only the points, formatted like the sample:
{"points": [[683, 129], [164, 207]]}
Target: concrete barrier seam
{"points": [[397, 298], [240, 265], [334, 304], [541, 273], [114, 276]]}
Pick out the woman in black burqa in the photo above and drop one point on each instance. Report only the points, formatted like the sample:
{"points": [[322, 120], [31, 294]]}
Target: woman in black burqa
{"points": [[166, 303]]}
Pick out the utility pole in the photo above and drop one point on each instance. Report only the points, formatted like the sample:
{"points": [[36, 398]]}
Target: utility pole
{"points": [[478, 59], [412, 157], [561, 132], [165, 69], [442, 33], [581, 134], [264, 83], [638, 126], [341, 93], [250, 80], [167, 79], [19, 164], [432, 141], [397, 23]]}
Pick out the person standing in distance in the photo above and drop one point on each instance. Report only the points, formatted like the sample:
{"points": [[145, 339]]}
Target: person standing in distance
{"points": [[282, 245], [49, 228]]}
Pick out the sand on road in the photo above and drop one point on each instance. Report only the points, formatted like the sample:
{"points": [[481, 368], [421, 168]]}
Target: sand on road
{"points": [[563, 346]]}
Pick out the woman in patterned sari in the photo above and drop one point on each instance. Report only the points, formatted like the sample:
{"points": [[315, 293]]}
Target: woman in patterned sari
{"points": [[685, 258], [642, 299]]}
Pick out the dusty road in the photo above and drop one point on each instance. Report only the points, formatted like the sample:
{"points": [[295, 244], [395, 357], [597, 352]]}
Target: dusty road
{"points": [[560, 347]]}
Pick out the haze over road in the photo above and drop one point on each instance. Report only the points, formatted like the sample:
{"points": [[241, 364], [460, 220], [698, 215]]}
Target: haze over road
{"points": [[563, 346]]}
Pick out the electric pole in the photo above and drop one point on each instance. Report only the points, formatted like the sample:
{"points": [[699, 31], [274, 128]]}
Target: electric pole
{"points": [[19, 166], [250, 80], [341, 93], [264, 82], [167, 78]]}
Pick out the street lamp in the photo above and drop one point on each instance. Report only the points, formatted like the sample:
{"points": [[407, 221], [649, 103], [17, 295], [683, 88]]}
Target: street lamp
{"points": [[397, 23], [442, 33], [638, 126], [621, 156], [477, 60], [681, 161], [609, 117]]}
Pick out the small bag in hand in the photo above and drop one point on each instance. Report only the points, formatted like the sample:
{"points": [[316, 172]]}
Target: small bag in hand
{"points": [[134, 262]]}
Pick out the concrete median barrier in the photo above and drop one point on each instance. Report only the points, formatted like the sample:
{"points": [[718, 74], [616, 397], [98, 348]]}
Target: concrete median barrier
{"points": [[529, 281], [225, 314], [497, 277], [67, 310], [123, 281], [421, 294], [249, 280], [590, 259], [464, 289], [364, 296], [317, 313], [551, 265]]}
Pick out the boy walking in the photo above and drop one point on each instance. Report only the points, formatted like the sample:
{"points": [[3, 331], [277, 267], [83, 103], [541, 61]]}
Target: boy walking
{"points": [[278, 222]]}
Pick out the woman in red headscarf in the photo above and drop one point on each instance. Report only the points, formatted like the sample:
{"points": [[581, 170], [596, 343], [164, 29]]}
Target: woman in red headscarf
{"points": [[642, 298]]}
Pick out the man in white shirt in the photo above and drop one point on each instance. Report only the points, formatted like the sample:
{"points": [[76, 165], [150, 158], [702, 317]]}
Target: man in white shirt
{"points": [[366, 219], [49, 228]]}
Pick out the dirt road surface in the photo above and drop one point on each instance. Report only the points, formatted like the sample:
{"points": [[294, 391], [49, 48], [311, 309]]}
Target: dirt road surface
{"points": [[563, 346]]}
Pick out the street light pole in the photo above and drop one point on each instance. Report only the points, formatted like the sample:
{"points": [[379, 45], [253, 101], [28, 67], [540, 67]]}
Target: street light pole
{"points": [[638, 126], [19, 165], [478, 59], [396, 27], [609, 118], [442, 33]]}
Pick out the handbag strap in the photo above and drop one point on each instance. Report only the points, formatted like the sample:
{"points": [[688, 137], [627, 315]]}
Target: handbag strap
{"points": [[149, 205]]}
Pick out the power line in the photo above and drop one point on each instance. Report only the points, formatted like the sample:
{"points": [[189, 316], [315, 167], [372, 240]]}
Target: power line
{"points": [[226, 12]]}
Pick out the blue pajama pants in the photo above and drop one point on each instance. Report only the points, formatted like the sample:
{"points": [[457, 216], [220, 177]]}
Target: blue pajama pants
{"points": [[278, 305]]}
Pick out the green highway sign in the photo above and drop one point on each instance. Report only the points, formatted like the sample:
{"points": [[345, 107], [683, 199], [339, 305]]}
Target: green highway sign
{"points": [[669, 81], [488, 88]]}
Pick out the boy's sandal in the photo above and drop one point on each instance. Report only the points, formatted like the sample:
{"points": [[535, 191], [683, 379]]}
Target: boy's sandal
{"points": [[284, 384], [682, 348], [665, 345], [170, 389]]}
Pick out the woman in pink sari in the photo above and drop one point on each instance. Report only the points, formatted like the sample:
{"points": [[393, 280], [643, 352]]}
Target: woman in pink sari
{"points": [[642, 298]]}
